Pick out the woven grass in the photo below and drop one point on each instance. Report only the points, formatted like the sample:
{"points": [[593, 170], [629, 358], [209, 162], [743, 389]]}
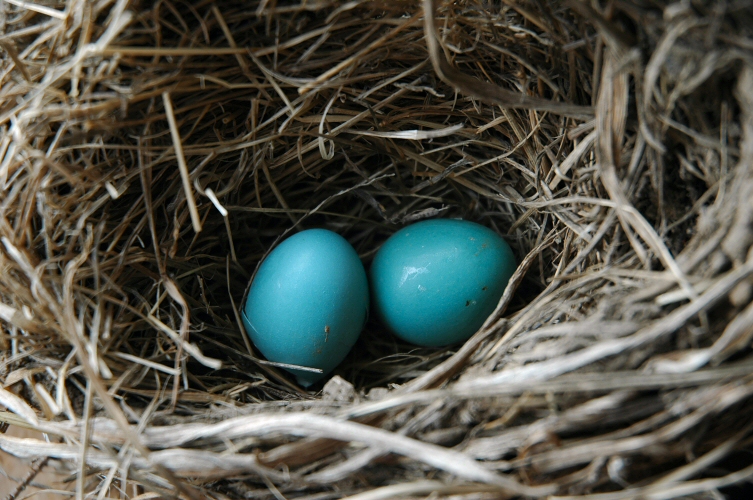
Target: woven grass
{"points": [[152, 154]]}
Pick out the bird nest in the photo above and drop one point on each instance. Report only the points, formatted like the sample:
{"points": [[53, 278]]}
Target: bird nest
{"points": [[151, 154]]}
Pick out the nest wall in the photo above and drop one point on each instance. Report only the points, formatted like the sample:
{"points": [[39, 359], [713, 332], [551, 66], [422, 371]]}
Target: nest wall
{"points": [[152, 154]]}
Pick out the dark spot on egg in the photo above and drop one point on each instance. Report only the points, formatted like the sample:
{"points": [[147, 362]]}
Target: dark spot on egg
{"points": [[467, 303], [485, 288]]}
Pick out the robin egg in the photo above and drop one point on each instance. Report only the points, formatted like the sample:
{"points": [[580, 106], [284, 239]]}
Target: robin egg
{"points": [[435, 282], [308, 303]]}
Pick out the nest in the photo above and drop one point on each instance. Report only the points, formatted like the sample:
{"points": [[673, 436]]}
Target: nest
{"points": [[152, 154]]}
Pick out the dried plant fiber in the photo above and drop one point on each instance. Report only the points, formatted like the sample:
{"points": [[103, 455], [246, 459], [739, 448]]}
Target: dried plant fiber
{"points": [[152, 153]]}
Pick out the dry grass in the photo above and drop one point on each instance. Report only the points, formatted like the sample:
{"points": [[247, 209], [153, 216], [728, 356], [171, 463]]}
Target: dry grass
{"points": [[152, 154]]}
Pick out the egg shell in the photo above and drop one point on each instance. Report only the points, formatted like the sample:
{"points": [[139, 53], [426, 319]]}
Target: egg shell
{"points": [[435, 282], [308, 303]]}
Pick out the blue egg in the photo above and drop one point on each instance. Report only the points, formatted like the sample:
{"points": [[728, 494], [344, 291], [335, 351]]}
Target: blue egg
{"points": [[308, 303], [435, 282]]}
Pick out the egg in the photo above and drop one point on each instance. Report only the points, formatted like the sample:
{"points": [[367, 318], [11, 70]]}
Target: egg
{"points": [[308, 303], [435, 282]]}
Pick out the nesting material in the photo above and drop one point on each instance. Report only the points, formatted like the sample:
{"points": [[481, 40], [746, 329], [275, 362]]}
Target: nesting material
{"points": [[151, 154]]}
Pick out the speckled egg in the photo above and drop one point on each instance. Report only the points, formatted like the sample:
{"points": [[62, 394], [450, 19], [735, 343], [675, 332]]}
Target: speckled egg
{"points": [[308, 303], [435, 282]]}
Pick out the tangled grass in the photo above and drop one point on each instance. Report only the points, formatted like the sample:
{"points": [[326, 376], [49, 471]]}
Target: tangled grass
{"points": [[152, 154]]}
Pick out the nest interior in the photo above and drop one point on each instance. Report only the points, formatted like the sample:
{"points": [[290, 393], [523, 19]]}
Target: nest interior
{"points": [[151, 154]]}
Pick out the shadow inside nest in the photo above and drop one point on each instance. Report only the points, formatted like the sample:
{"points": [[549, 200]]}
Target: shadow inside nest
{"points": [[379, 359]]}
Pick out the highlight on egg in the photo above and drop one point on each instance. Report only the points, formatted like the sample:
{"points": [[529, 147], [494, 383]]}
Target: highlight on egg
{"points": [[435, 282], [308, 303]]}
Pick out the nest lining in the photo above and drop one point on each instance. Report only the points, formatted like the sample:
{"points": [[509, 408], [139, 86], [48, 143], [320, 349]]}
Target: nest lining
{"points": [[152, 155]]}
